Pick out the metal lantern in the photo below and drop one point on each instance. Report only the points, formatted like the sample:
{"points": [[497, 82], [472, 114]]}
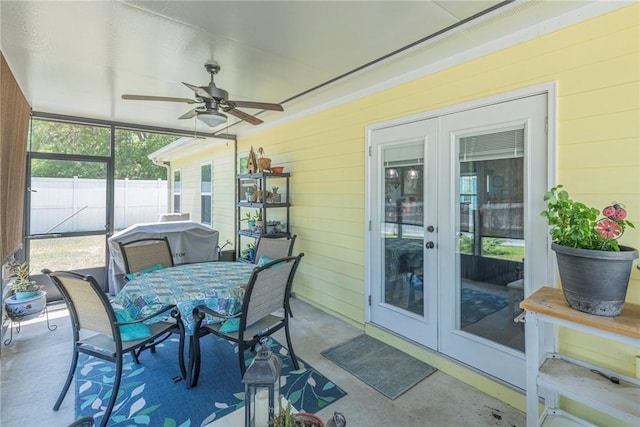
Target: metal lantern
{"points": [[262, 388]]}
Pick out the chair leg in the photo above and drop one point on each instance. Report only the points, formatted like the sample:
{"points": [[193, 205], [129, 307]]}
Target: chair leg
{"points": [[183, 369], [181, 334], [134, 355], [194, 361], [294, 359], [114, 393], [65, 388]]}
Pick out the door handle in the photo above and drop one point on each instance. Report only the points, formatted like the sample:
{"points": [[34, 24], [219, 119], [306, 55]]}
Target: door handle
{"points": [[430, 245], [430, 229]]}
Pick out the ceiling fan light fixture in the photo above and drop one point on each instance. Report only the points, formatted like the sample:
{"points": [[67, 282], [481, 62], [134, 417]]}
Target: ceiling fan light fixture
{"points": [[212, 118]]}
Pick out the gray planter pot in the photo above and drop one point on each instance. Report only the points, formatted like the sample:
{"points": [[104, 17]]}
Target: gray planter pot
{"points": [[595, 282]]}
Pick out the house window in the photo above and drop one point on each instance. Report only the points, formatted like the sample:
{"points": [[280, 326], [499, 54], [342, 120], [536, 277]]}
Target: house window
{"points": [[177, 190], [205, 193]]}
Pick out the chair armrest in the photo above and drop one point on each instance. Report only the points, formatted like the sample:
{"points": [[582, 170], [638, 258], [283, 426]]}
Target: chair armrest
{"points": [[200, 311]]}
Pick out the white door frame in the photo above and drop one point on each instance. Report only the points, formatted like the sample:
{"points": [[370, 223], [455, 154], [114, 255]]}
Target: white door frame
{"points": [[548, 88]]}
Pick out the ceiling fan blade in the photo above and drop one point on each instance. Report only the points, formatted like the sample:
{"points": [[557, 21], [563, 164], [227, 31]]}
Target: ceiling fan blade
{"points": [[244, 116], [198, 91], [158, 98], [189, 114], [258, 105]]}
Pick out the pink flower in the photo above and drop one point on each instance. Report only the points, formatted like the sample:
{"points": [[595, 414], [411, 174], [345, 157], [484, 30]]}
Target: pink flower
{"points": [[609, 229]]}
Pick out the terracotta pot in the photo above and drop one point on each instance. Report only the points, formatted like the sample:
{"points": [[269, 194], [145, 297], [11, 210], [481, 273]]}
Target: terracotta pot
{"points": [[595, 282], [304, 419]]}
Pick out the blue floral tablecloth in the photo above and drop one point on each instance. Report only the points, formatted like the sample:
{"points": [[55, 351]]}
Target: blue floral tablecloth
{"points": [[214, 284]]}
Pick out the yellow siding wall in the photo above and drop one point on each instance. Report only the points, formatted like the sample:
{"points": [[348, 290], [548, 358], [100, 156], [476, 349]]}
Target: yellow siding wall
{"points": [[223, 197], [596, 67]]}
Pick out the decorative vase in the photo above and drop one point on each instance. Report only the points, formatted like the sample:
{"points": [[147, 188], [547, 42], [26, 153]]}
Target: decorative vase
{"points": [[25, 309], [595, 282]]}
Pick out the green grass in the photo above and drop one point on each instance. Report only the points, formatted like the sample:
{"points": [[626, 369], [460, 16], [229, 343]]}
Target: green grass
{"points": [[68, 253]]}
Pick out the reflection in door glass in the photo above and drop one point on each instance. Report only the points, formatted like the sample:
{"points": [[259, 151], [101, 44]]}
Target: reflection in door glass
{"points": [[491, 235], [402, 229]]}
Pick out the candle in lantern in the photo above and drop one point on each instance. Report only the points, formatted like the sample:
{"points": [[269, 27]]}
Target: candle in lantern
{"points": [[262, 408]]}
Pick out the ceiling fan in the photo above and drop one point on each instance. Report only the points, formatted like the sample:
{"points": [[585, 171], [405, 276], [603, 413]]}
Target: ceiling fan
{"points": [[213, 99]]}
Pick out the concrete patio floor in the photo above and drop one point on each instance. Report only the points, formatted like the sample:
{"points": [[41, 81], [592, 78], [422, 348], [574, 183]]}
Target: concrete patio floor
{"points": [[34, 367]]}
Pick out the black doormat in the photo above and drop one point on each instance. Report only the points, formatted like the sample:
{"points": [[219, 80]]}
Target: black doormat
{"points": [[386, 369]]}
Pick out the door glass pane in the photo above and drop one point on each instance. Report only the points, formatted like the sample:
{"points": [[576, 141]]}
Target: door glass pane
{"points": [[67, 196], [491, 229], [402, 231]]}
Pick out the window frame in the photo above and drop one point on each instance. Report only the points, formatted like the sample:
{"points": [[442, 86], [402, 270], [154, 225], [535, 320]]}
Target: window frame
{"points": [[206, 195], [177, 195]]}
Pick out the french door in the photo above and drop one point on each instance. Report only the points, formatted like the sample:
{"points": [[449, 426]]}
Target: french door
{"points": [[404, 231], [452, 254]]}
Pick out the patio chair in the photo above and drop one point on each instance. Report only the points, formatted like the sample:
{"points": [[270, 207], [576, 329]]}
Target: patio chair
{"points": [[270, 248], [264, 311], [273, 248], [90, 311], [143, 254]]}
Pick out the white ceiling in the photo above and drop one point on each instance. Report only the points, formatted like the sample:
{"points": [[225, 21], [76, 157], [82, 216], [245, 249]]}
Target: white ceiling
{"points": [[78, 57]]}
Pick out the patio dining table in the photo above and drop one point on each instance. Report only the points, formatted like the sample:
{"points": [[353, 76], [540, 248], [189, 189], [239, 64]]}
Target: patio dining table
{"points": [[214, 284]]}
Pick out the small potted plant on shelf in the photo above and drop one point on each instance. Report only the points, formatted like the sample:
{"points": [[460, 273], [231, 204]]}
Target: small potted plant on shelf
{"points": [[275, 197], [594, 268], [250, 252], [250, 218], [259, 228], [27, 300]]}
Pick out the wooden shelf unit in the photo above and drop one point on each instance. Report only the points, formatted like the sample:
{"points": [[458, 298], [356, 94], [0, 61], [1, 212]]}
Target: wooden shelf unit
{"points": [[550, 375]]}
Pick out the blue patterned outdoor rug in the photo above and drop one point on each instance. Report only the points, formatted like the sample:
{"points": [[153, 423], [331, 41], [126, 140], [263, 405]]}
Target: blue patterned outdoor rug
{"points": [[476, 305], [150, 397]]}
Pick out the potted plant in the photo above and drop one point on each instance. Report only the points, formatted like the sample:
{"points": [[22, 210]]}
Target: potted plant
{"points": [[259, 228], [250, 252], [287, 418], [594, 268], [275, 197], [22, 285], [27, 300], [251, 219]]}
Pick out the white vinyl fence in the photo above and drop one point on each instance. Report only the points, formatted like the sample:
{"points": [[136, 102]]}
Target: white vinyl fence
{"points": [[72, 204]]}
